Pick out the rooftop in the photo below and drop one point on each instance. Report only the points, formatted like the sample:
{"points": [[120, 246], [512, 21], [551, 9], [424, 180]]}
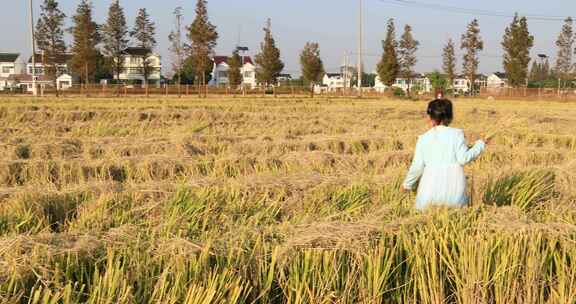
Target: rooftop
{"points": [[224, 59], [64, 58], [9, 57]]}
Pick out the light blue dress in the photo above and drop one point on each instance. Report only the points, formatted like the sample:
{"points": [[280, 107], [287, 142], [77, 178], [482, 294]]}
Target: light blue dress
{"points": [[438, 163]]}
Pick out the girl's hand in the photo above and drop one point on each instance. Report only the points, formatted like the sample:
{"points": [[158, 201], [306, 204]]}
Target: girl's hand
{"points": [[488, 138]]}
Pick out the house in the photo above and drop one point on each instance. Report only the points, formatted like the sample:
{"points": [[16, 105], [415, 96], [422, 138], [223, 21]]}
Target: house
{"points": [[497, 81], [133, 70], [8, 67], [61, 65], [283, 78], [419, 83], [461, 84], [24, 81], [335, 81], [221, 67], [63, 81]]}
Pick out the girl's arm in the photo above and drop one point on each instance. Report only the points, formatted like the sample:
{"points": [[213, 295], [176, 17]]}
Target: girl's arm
{"points": [[416, 169], [464, 154]]}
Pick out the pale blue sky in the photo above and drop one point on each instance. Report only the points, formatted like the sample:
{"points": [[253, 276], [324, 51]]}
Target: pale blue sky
{"points": [[332, 23]]}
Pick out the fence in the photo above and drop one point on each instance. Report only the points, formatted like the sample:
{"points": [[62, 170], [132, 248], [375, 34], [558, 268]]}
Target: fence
{"points": [[94, 90], [530, 93]]}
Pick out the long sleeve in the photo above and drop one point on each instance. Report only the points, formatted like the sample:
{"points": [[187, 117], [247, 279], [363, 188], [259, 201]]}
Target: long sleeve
{"points": [[464, 154], [416, 169]]}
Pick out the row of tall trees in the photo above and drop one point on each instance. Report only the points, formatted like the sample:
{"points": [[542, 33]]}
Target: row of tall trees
{"points": [[95, 46], [517, 43], [88, 59], [399, 57], [193, 61]]}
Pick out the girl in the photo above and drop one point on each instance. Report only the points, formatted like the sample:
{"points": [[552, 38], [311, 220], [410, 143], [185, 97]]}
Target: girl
{"points": [[438, 162]]}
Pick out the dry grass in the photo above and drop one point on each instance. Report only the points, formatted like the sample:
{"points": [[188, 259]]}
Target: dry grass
{"points": [[278, 201]]}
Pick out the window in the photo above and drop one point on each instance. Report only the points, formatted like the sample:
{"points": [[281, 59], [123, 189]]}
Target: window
{"points": [[222, 74], [39, 70], [248, 74], [7, 69]]}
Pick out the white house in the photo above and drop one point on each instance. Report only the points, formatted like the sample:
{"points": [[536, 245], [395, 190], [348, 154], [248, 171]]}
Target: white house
{"points": [[63, 81], [419, 84], [221, 67], [8, 67], [461, 84], [497, 81], [133, 70], [284, 78], [335, 81], [61, 66]]}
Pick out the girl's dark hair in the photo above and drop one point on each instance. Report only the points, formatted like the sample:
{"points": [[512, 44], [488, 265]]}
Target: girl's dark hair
{"points": [[440, 110]]}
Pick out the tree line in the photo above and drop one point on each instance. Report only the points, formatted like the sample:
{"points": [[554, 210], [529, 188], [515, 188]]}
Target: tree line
{"points": [[98, 49]]}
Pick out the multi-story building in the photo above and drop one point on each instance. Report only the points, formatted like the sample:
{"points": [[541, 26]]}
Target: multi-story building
{"points": [[134, 69], [461, 84], [221, 67], [8, 67], [63, 80], [418, 84], [497, 81], [336, 81]]}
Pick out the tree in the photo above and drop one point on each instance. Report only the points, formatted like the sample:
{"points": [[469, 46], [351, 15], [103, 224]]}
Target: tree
{"points": [[565, 45], [235, 69], [388, 68], [203, 36], [438, 81], [471, 44], [517, 43], [177, 47], [535, 72], [50, 38], [86, 38], [145, 34], [187, 73], [268, 62], [545, 70], [449, 62], [311, 64], [407, 55], [114, 34]]}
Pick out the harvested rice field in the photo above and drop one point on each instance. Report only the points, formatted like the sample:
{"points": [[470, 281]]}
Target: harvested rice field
{"points": [[278, 201]]}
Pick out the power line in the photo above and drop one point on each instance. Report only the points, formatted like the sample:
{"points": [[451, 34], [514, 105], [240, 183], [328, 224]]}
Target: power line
{"points": [[469, 11]]}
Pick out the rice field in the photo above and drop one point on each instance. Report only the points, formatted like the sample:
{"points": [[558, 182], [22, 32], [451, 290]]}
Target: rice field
{"points": [[278, 201]]}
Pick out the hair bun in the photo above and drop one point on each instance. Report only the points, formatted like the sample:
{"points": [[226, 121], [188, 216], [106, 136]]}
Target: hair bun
{"points": [[440, 110]]}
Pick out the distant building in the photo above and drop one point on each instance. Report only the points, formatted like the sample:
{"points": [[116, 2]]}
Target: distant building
{"points": [[63, 81], [497, 81], [419, 84], [284, 78], [461, 84], [8, 67], [61, 65], [133, 70], [221, 67], [25, 82], [335, 81]]}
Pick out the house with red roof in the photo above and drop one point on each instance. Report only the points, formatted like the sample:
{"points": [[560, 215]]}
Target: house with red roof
{"points": [[221, 67]]}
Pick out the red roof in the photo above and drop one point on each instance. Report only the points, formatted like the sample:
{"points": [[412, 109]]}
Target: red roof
{"points": [[224, 59], [28, 78]]}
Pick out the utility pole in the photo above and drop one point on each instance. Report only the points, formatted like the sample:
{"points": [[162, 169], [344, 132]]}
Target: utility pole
{"points": [[360, 47], [32, 35], [178, 14], [345, 72]]}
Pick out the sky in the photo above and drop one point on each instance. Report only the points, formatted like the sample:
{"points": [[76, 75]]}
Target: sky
{"points": [[331, 23]]}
